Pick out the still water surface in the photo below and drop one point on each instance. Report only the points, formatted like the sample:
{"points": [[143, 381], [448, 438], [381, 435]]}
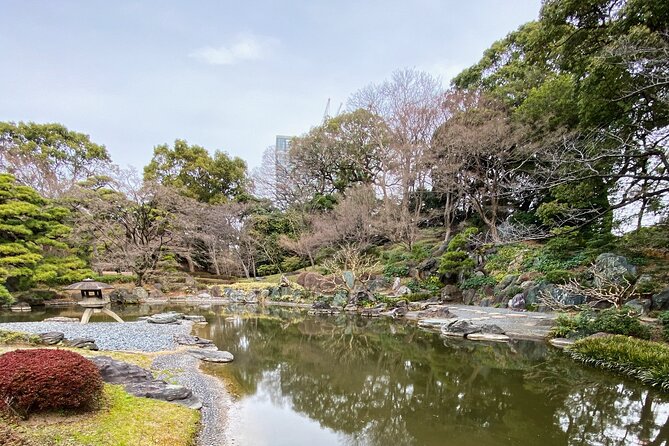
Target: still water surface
{"points": [[338, 380]]}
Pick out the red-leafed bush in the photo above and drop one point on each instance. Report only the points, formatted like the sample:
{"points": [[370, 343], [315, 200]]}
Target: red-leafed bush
{"points": [[41, 379]]}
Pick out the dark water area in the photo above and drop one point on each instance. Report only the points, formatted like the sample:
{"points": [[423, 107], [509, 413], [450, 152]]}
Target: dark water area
{"points": [[340, 380]]}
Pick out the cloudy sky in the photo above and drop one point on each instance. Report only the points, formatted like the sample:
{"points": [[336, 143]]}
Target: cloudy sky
{"points": [[226, 75]]}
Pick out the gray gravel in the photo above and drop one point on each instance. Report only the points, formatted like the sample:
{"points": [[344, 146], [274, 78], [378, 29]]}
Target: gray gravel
{"points": [[133, 336], [216, 402]]}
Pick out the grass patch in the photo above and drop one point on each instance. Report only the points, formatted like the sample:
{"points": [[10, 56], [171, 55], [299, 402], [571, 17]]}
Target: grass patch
{"points": [[124, 420], [18, 338], [646, 361]]}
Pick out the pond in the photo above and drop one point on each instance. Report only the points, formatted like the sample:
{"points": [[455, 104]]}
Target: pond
{"points": [[340, 380]]}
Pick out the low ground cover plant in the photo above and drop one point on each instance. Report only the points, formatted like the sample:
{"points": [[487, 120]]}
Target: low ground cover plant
{"points": [[645, 360]]}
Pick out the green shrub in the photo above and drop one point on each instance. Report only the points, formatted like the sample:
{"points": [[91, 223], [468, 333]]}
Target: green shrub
{"points": [[429, 286], [395, 270], [477, 282], [512, 291], [558, 276], [663, 318], [292, 263], [267, 270], [455, 262], [115, 278], [644, 360], [420, 251], [459, 241], [432, 283], [505, 260], [624, 321]]}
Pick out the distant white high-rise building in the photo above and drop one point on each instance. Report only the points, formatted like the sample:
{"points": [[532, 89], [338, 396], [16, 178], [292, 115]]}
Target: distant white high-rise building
{"points": [[282, 147]]}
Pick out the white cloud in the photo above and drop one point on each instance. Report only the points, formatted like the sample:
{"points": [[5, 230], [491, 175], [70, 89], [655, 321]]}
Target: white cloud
{"points": [[243, 48]]}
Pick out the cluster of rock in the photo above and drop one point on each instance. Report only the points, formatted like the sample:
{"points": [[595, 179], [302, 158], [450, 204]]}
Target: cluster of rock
{"points": [[173, 318], [206, 349], [461, 328], [58, 338], [140, 382]]}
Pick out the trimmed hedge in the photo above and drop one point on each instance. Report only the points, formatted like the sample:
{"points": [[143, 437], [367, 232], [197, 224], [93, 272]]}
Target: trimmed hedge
{"points": [[44, 379], [646, 361]]}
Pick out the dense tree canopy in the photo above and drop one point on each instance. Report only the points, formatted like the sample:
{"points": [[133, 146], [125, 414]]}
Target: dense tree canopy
{"points": [[192, 169], [49, 157], [33, 246]]}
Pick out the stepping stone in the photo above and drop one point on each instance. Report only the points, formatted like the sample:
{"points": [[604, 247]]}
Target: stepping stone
{"points": [[432, 323], [85, 343], [212, 355], [196, 319], [186, 339], [61, 319], [560, 342], [488, 337]]}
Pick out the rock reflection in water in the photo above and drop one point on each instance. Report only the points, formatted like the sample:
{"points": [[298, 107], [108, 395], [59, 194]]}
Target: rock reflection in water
{"points": [[376, 382]]}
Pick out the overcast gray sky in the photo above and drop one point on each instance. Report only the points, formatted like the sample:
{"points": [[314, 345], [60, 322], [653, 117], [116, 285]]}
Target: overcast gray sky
{"points": [[226, 75]]}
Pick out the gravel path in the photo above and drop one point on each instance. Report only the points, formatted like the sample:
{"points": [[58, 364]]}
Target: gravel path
{"points": [[216, 402], [132, 336]]}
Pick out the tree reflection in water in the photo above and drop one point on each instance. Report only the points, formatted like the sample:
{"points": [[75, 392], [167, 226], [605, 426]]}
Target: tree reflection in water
{"points": [[380, 382]]}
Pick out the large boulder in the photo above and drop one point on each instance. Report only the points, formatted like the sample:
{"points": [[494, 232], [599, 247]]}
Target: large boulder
{"points": [[140, 382], [639, 305], [119, 372], [403, 291], [435, 312], [459, 328], [340, 298], [612, 268], [508, 281], [517, 302], [140, 293], [51, 337], [491, 329], [377, 283], [660, 301], [539, 290], [451, 293], [315, 282], [123, 296]]}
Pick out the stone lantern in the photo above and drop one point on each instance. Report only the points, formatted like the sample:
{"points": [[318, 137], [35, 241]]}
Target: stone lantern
{"points": [[92, 299]]}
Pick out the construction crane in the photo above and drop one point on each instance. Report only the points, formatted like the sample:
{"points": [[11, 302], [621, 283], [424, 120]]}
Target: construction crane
{"points": [[326, 113]]}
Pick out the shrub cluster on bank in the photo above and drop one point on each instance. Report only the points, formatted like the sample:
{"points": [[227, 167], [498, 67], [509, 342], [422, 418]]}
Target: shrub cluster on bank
{"points": [[622, 321], [45, 379], [644, 360]]}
